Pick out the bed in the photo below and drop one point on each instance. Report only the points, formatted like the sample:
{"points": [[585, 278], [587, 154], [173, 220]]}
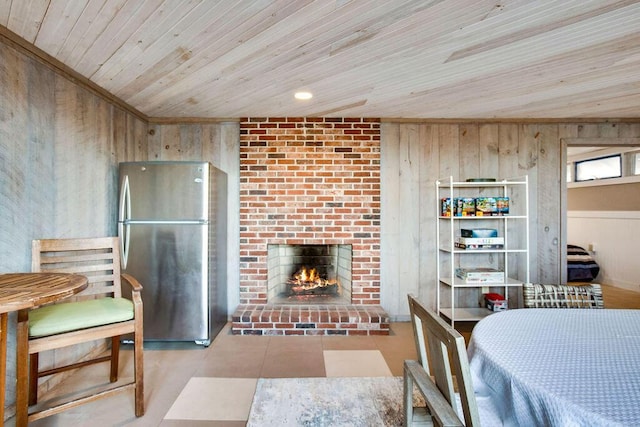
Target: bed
{"points": [[581, 266]]}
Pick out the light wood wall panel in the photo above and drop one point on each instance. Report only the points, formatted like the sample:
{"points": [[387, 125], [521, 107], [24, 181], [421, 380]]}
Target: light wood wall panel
{"points": [[59, 149], [466, 150], [463, 150]]}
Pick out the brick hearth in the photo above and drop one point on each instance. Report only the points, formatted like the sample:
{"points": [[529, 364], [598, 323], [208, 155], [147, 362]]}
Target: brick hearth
{"points": [[286, 319], [312, 181]]}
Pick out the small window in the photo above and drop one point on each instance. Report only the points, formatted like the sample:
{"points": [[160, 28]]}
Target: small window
{"points": [[636, 169], [601, 168]]}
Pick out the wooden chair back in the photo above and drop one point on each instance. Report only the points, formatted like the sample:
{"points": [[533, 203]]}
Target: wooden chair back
{"points": [[96, 258], [443, 355], [562, 296]]}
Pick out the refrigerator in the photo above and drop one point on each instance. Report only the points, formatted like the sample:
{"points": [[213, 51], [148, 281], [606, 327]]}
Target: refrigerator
{"points": [[172, 229]]}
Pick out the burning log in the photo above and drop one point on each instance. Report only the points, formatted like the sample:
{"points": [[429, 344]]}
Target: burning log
{"points": [[309, 282]]}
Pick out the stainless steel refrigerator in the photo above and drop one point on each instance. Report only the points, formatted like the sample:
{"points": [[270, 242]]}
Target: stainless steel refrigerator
{"points": [[172, 228]]}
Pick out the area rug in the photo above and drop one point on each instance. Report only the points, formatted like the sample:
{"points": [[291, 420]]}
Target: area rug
{"points": [[214, 399], [311, 402]]}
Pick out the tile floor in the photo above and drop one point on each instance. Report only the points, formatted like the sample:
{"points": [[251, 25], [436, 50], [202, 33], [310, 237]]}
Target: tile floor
{"points": [[187, 385]]}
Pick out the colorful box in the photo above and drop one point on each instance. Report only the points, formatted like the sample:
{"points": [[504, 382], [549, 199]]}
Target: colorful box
{"points": [[486, 206], [495, 302], [502, 205], [445, 207], [479, 232], [466, 206]]}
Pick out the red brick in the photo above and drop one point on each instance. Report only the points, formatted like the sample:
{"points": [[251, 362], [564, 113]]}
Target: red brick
{"points": [[315, 166]]}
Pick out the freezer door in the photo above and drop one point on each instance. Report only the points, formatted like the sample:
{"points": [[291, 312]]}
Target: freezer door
{"points": [[157, 191], [170, 261]]}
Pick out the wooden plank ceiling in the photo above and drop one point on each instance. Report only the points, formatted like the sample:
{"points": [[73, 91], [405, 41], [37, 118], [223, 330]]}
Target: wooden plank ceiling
{"points": [[386, 58]]}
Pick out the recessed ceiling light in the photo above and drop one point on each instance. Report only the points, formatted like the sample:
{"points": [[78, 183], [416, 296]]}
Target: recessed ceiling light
{"points": [[303, 95]]}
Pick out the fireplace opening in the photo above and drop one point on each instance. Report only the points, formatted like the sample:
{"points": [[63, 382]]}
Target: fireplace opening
{"points": [[309, 274]]}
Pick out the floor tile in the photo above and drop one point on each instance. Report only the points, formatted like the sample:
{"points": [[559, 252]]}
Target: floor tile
{"points": [[355, 363], [217, 399], [348, 343], [299, 356]]}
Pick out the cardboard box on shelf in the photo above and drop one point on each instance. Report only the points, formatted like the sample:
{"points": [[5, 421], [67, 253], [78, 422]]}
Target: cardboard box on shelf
{"points": [[445, 206], [486, 206], [502, 204], [478, 232], [466, 206], [495, 302]]}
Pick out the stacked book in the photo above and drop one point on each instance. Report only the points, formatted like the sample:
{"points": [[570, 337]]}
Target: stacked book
{"points": [[480, 275], [479, 242]]}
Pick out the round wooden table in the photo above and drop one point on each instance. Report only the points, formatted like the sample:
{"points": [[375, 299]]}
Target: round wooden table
{"points": [[22, 291]]}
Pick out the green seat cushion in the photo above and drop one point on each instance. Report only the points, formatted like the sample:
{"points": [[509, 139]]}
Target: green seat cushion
{"points": [[72, 316]]}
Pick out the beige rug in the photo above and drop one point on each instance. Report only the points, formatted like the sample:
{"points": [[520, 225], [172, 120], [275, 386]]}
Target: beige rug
{"points": [[355, 363], [345, 402], [206, 399]]}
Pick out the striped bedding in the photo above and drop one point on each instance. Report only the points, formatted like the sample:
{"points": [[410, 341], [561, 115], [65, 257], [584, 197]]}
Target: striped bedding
{"points": [[581, 267]]}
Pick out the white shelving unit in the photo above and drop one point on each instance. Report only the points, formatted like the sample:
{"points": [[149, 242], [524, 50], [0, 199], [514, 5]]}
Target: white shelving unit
{"points": [[513, 258]]}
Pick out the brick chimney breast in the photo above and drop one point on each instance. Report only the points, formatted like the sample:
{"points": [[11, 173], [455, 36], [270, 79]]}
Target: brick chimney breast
{"points": [[310, 180]]}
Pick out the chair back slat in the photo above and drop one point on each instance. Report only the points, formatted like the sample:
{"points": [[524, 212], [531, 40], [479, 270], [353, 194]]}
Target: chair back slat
{"points": [[446, 354], [80, 244], [79, 257], [97, 259]]}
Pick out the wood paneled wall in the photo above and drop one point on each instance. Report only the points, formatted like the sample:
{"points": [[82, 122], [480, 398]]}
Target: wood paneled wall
{"points": [[414, 156], [60, 146], [59, 150]]}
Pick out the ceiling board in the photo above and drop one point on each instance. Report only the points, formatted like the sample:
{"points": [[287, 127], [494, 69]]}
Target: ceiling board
{"points": [[441, 59]]}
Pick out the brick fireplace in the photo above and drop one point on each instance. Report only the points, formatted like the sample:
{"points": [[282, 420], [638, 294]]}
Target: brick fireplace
{"points": [[310, 181], [309, 274]]}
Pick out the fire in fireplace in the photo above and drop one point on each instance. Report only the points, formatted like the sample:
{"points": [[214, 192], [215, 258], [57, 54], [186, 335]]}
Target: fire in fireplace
{"points": [[308, 281], [303, 274]]}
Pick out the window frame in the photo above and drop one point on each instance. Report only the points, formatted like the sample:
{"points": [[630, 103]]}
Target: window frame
{"points": [[579, 163], [627, 152]]}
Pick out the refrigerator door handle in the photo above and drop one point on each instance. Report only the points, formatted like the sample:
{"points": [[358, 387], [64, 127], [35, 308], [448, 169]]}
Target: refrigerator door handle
{"points": [[123, 226], [124, 243]]}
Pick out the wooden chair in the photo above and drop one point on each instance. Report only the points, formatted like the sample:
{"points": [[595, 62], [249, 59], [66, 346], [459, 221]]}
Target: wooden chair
{"points": [[443, 363], [99, 312], [438, 411], [562, 296]]}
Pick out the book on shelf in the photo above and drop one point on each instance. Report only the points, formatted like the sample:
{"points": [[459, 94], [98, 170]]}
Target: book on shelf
{"points": [[472, 246], [480, 240], [479, 243], [480, 275]]}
